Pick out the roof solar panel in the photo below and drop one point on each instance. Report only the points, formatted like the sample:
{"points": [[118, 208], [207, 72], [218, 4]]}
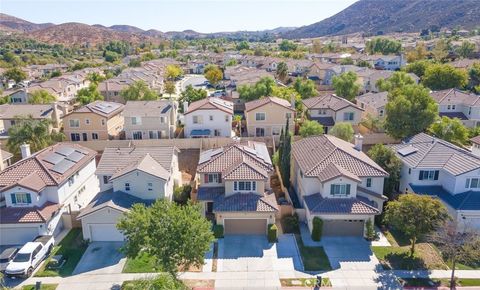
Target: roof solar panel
{"points": [[75, 156], [405, 151], [63, 166], [106, 107], [53, 158], [65, 150]]}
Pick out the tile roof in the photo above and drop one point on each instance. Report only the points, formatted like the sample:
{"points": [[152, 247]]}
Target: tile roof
{"points": [[6, 155], [330, 101], [8, 111], [12, 215], [211, 103], [252, 105], [326, 156], [146, 164], [374, 100], [245, 202], [433, 153], [455, 96], [475, 139], [317, 204], [147, 108], [469, 200], [102, 108], [207, 193]]}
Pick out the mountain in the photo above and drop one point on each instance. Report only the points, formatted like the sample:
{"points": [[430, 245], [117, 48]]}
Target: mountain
{"points": [[126, 28], [378, 17], [17, 24]]}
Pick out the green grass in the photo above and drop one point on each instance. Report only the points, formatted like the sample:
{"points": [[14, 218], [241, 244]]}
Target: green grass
{"points": [[44, 287], [141, 264], [304, 282], [314, 258], [425, 257], [427, 282], [72, 248]]}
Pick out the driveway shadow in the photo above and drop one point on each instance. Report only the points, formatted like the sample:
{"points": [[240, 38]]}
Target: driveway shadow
{"points": [[101, 258], [243, 246], [348, 249]]}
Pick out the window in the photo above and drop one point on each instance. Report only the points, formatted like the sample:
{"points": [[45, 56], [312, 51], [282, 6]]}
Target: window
{"points": [[369, 182], [275, 131], [340, 189], [244, 186], [210, 118], [103, 122], [470, 110], [453, 107], [127, 186], [105, 179], [260, 117], [162, 120], [87, 121], [152, 134], [288, 115], [448, 107], [472, 183], [94, 136], [381, 113], [216, 132], [75, 136], [348, 116], [213, 178], [227, 118], [322, 111], [150, 186], [197, 120], [137, 135], [428, 175], [136, 121], [74, 123], [12, 122], [21, 198]]}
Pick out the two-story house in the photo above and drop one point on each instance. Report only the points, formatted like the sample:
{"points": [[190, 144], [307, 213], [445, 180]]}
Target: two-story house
{"points": [[454, 103], [11, 114], [128, 176], [37, 190], [388, 62], [235, 187], [373, 104], [438, 168], [150, 119], [268, 115], [98, 120], [337, 182], [330, 109], [210, 117], [476, 145]]}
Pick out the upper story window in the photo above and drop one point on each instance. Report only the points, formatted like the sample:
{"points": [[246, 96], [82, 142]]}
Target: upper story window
{"points": [[127, 186], [288, 115], [472, 183], [150, 186], [21, 198], [213, 178], [322, 111], [244, 186], [197, 120], [276, 131], [227, 118], [348, 116], [340, 189], [162, 120], [106, 179], [428, 175], [260, 117], [136, 121], [210, 118], [87, 121], [74, 123], [369, 182]]}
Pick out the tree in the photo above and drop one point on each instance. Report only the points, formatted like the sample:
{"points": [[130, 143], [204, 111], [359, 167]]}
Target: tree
{"points": [[172, 72], [190, 95], [16, 74], [89, 95], [343, 130], [41, 97], [34, 132], [415, 216], [243, 45], [135, 62], [262, 88], [440, 51], [346, 61], [287, 45], [138, 91], [410, 110], [95, 78], [363, 63], [282, 71], [285, 156], [383, 46], [444, 76], [111, 56], [305, 87], [238, 120], [213, 74], [388, 160], [451, 130], [466, 49], [311, 128], [346, 85], [474, 74], [418, 53], [418, 67], [396, 81], [169, 87], [174, 235]]}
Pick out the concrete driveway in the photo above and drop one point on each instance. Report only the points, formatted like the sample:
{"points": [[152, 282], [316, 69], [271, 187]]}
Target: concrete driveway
{"points": [[101, 258]]}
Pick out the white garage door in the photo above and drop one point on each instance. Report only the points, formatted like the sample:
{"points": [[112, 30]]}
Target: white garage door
{"points": [[105, 233], [17, 236]]}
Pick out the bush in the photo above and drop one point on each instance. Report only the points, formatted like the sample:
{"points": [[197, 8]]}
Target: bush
{"points": [[162, 281], [290, 224], [182, 194], [371, 234], [276, 158], [218, 231], [272, 233], [317, 229]]}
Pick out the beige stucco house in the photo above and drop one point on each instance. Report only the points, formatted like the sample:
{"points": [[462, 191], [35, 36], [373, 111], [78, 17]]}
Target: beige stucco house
{"points": [[373, 104], [267, 116]]}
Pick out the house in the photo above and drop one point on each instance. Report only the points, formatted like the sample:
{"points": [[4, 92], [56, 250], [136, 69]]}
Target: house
{"points": [[267, 116], [11, 114], [16, 96], [150, 119], [98, 120], [373, 103], [38, 190], [337, 70], [335, 181], [235, 187], [5, 159], [454, 103], [476, 145], [389, 62], [330, 109], [210, 117], [368, 78], [128, 176], [434, 167]]}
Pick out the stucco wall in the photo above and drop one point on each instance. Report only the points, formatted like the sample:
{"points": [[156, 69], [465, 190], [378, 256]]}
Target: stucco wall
{"points": [[103, 216], [218, 123], [275, 117]]}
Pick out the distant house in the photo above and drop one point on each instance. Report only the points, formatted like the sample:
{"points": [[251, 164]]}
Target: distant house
{"points": [[368, 78], [437, 168], [454, 103], [10, 115], [267, 116], [389, 62], [476, 145], [331, 109], [210, 117], [373, 103], [16, 96], [128, 176], [150, 119], [5, 159], [98, 120]]}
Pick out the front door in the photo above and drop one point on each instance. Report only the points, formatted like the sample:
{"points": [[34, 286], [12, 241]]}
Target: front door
{"points": [[260, 132], [84, 136], [209, 207]]}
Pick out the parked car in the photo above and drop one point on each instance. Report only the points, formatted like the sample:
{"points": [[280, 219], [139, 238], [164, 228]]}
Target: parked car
{"points": [[218, 94], [6, 256], [29, 257]]}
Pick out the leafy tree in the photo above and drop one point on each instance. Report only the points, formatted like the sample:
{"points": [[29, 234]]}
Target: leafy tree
{"points": [[282, 71], [232, 62], [305, 87], [466, 49], [135, 62], [243, 45], [396, 81], [138, 91], [95, 78], [311, 128], [346, 61], [415, 216], [190, 95], [418, 53], [451, 130], [440, 51], [444, 76], [372, 123], [213, 74], [262, 88], [172, 72], [363, 63], [343, 130], [34, 132], [474, 74], [89, 94], [288, 93], [174, 235], [386, 158], [410, 110], [346, 85], [418, 67], [169, 87], [316, 46], [111, 56], [41, 97], [16, 74], [287, 45], [55, 74], [383, 46]]}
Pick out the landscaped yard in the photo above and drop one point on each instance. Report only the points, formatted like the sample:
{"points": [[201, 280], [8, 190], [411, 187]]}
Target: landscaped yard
{"points": [[426, 282], [142, 264], [72, 248], [43, 287], [304, 282], [314, 258]]}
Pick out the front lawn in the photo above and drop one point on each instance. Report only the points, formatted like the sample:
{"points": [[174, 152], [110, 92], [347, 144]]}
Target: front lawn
{"points": [[427, 282], [398, 258], [72, 248], [43, 287], [142, 264], [314, 258], [304, 282]]}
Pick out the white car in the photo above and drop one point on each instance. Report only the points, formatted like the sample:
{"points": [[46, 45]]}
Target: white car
{"points": [[29, 257]]}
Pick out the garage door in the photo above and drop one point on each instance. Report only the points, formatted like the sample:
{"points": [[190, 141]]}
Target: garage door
{"points": [[105, 233], [245, 226], [343, 227], [17, 236]]}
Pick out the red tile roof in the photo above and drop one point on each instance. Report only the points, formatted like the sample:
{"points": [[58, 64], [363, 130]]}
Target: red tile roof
{"points": [[12, 215], [266, 100], [317, 204], [211, 104]]}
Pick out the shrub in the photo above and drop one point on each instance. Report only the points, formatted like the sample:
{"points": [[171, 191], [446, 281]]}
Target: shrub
{"points": [[317, 229], [290, 224], [371, 234], [276, 158], [218, 231], [182, 194], [272, 233]]}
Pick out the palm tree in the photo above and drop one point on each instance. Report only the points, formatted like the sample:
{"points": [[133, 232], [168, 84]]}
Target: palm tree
{"points": [[238, 120], [282, 71]]}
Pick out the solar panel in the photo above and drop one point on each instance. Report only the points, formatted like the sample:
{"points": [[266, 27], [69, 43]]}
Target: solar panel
{"points": [[405, 151], [63, 166], [75, 156], [65, 150], [106, 107], [53, 158]]}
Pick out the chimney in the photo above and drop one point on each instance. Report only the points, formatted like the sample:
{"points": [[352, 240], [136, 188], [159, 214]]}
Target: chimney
{"points": [[1, 159], [56, 115], [25, 149], [358, 142], [185, 107]]}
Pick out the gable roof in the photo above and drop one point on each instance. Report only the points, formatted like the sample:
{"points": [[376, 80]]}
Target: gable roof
{"points": [[330, 101], [455, 96], [102, 108], [245, 202], [475, 139], [145, 164], [374, 100], [469, 200], [9, 111], [252, 105], [13, 215], [211, 103], [147, 108], [319, 205]]}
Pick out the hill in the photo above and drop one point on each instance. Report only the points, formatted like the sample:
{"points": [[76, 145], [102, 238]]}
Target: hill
{"points": [[378, 17], [126, 28], [17, 24]]}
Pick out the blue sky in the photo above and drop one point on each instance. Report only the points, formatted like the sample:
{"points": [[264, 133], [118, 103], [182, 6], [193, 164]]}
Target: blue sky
{"points": [[167, 15]]}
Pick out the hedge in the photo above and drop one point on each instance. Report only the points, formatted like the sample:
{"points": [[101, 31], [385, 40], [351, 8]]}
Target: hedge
{"points": [[317, 229], [272, 233], [218, 231]]}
